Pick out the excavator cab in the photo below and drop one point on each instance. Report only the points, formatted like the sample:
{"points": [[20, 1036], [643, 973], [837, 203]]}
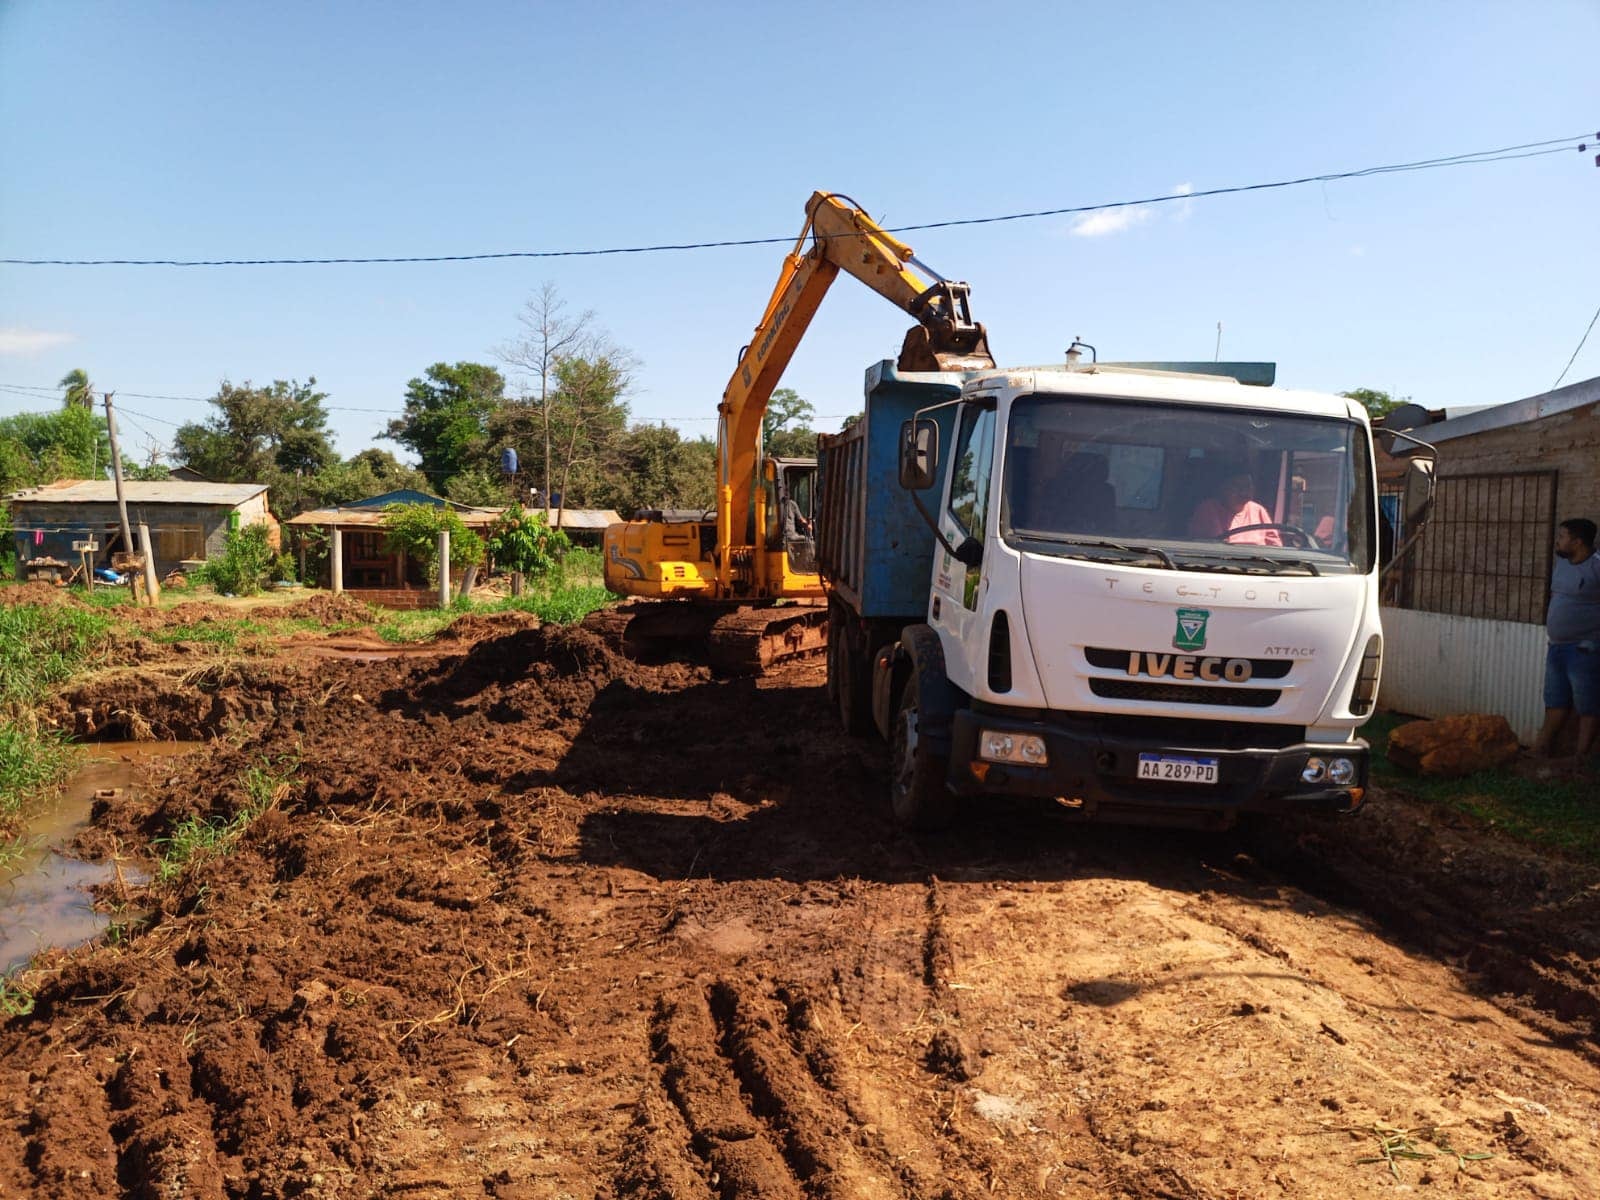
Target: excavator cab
{"points": [[791, 489]]}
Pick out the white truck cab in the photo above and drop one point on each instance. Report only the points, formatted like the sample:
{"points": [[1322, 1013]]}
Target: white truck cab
{"points": [[1152, 596]]}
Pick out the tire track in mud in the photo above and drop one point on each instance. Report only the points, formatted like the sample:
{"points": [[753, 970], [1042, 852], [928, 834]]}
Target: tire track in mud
{"points": [[751, 1078]]}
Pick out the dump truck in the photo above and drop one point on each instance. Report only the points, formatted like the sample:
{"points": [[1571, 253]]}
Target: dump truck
{"points": [[1146, 595]]}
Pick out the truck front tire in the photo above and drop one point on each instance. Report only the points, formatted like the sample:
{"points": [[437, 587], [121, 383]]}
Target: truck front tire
{"points": [[918, 795]]}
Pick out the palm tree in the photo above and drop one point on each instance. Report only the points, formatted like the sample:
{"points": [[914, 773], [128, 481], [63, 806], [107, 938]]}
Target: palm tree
{"points": [[79, 391]]}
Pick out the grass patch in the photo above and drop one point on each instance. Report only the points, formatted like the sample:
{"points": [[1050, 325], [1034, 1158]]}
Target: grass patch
{"points": [[1556, 814], [40, 645], [561, 605], [194, 839], [15, 1000], [564, 606], [211, 633], [31, 760]]}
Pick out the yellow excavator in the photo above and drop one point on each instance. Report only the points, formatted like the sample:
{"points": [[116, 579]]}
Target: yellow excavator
{"points": [[742, 580]]}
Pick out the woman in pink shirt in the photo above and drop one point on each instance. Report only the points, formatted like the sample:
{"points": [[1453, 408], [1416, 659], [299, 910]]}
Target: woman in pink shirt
{"points": [[1234, 508]]}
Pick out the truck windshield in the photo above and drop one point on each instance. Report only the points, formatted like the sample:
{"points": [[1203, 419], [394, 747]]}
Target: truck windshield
{"points": [[1187, 487]]}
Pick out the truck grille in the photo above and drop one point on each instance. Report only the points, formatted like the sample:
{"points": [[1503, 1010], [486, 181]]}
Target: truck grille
{"points": [[1177, 693], [1117, 660]]}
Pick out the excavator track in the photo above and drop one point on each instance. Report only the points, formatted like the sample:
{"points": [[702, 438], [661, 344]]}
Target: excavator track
{"points": [[742, 640], [747, 641]]}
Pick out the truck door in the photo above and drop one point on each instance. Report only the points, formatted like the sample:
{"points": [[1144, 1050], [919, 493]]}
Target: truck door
{"points": [[966, 515]]}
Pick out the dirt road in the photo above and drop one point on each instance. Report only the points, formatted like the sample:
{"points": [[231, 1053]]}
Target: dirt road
{"points": [[532, 921]]}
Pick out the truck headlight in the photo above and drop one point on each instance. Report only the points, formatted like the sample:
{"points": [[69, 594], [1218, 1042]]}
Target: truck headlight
{"points": [[1315, 771], [1342, 771], [1024, 748]]}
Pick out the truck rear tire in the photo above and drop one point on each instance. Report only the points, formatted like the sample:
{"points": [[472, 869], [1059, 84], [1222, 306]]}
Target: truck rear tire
{"points": [[849, 676], [918, 795]]}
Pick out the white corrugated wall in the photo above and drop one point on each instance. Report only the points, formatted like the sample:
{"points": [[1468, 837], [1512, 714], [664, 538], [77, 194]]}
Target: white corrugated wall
{"points": [[1435, 664]]}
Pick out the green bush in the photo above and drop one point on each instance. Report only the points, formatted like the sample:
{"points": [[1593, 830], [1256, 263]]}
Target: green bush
{"points": [[523, 541], [245, 565], [414, 529]]}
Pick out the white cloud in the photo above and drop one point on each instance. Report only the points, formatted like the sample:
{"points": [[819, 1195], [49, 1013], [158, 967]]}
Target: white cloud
{"points": [[1126, 216], [1110, 220], [30, 341], [1183, 207]]}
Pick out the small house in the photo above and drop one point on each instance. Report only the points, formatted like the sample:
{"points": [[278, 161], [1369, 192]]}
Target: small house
{"points": [[1464, 610], [76, 519]]}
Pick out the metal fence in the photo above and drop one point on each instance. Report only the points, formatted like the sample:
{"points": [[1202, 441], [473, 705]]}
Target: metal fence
{"points": [[1486, 551]]}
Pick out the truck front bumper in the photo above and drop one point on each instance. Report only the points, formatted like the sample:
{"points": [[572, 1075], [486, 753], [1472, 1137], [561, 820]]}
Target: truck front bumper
{"points": [[1094, 774]]}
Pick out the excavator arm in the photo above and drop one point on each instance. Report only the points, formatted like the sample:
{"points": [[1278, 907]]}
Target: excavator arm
{"points": [[843, 238]]}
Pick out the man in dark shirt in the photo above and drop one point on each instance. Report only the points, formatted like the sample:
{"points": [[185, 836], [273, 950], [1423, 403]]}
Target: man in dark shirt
{"points": [[1572, 664]]}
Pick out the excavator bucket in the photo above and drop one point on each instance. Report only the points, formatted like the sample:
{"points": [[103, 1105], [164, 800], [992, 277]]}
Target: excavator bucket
{"points": [[948, 339]]}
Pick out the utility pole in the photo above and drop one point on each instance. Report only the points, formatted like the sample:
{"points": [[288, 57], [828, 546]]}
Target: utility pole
{"points": [[116, 473]]}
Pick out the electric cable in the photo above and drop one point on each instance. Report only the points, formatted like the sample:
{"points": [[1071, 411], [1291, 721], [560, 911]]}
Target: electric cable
{"points": [[1576, 352], [1470, 158]]}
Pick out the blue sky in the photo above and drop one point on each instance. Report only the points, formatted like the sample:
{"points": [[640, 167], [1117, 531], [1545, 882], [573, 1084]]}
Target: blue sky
{"points": [[335, 129]]}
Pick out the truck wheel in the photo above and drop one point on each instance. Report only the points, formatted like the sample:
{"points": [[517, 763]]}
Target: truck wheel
{"points": [[855, 691], [917, 792]]}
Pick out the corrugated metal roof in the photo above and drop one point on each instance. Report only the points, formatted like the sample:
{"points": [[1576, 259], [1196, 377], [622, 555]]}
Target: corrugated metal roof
{"points": [[353, 518], [583, 518], [1515, 412], [166, 491]]}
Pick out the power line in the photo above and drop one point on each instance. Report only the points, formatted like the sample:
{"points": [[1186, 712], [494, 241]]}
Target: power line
{"points": [[1576, 352], [26, 389], [1474, 157]]}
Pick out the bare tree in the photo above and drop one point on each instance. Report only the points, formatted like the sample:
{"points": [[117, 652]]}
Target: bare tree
{"points": [[549, 335]]}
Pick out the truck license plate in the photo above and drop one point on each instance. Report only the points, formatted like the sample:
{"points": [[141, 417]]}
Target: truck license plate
{"points": [[1177, 770]]}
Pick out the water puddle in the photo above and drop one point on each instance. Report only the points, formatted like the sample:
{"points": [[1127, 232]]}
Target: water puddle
{"points": [[44, 896]]}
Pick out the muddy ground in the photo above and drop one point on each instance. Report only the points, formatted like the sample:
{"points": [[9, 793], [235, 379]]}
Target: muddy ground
{"points": [[526, 920]]}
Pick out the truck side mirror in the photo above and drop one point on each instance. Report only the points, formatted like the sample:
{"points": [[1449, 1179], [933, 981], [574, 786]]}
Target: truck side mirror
{"points": [[919, 453], [1418, 499], [969, 552]]}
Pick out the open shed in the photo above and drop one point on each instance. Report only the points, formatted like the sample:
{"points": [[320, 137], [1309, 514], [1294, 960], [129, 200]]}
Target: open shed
{"points": [[365, 566], [189, 522]]}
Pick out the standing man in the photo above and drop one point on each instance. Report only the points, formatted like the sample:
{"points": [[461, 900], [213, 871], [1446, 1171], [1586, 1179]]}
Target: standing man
{"points": [[1572, 664]]}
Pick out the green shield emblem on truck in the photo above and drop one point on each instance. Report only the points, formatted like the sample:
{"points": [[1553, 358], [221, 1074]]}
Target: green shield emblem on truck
{"points": [[1191, 632]]}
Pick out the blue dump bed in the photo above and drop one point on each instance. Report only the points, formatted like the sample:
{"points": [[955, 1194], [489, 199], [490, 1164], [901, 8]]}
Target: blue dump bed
{"points": [[874, 548]]}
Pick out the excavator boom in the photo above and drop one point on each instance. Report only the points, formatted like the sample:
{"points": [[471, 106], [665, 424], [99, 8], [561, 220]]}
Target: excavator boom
{"points": [[844, 238], [739, 560]]}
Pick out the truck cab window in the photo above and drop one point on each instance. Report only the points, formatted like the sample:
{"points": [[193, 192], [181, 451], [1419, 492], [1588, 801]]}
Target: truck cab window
{"points": [[974, 463]]}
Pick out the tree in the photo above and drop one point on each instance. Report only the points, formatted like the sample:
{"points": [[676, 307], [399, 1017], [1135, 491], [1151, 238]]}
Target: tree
{"points": [[522, 541], [369, 473], [657, 468], [446, 421], [259, 434], [588, 419], [77, 391], [70, 443], [784, 409], [479, 488], [550, 334], [1376, 403]]}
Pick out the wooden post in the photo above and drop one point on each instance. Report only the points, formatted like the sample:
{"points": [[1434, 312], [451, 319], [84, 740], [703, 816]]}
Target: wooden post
{"points": [[116, 474], [152, 587], [444, 568], [302, 540], [336, 561]]}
